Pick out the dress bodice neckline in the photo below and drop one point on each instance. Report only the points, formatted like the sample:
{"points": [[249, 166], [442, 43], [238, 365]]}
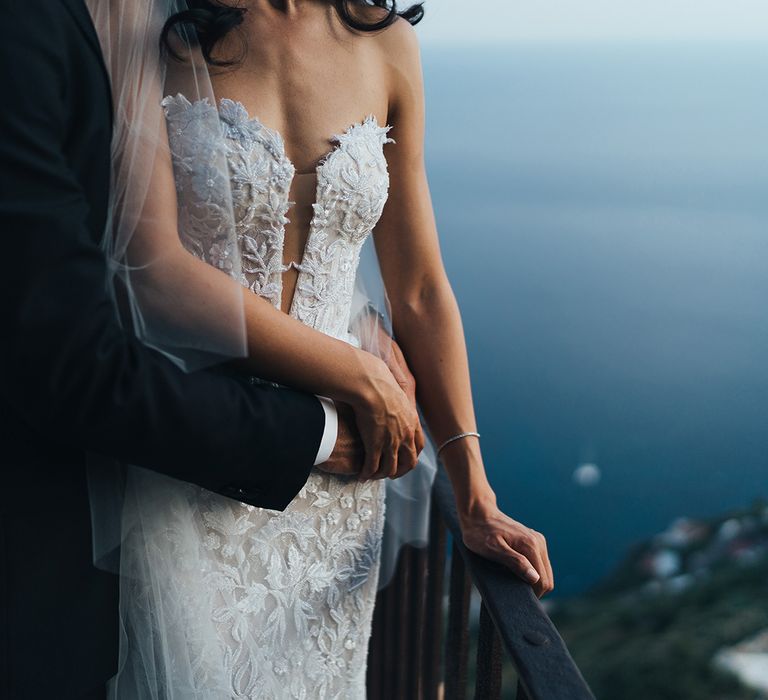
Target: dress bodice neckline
{"points": [[234, 111], [349, 194]]}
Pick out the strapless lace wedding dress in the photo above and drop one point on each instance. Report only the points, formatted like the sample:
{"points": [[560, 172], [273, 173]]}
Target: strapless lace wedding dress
{"points": [[258, 603]]}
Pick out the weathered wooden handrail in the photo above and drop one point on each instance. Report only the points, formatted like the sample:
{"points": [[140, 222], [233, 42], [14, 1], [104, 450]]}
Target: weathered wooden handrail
{"points": [[405, 651]]}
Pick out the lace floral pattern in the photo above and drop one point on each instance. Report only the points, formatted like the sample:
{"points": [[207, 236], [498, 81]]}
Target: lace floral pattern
{"points": [[272, 604], [292, 592], [199, 164]]}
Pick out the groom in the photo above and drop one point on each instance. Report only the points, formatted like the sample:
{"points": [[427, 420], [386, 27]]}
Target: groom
{"points": [[72, 380]]}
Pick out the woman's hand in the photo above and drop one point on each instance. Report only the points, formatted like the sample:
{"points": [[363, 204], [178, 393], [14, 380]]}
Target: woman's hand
{"points": [[494, 535], [388, 423], [349, 452]]}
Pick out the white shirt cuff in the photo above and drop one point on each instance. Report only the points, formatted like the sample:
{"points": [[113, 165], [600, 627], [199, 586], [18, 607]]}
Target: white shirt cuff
{"points": [[330, 431]]}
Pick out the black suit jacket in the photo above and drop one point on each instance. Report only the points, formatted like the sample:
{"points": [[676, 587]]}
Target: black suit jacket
{"points": [[72, 381]]}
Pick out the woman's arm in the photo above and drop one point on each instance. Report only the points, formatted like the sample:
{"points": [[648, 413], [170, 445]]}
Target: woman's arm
{"points": [[427, 322]]}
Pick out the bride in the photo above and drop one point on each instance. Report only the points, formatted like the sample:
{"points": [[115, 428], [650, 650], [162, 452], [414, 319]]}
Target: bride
{"points": [[318, 109]]}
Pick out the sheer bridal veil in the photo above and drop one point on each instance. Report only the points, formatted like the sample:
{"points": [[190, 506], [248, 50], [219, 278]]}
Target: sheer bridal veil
{"points": [[196, 324]]}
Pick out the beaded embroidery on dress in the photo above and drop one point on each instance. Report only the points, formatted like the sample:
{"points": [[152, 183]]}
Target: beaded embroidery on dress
{"points": [[260, 603]]}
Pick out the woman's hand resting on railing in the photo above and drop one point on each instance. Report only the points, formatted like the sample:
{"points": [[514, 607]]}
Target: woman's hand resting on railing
{"points": [[494, 535]]}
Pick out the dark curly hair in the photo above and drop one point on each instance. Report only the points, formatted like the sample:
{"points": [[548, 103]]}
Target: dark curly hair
{"points": [[212, 20]]}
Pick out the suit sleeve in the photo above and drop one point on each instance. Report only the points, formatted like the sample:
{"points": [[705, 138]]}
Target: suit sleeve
{"points": [[68, 368]]}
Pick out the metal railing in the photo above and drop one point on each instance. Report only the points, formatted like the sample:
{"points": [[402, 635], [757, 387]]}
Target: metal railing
{"points": [[410, 656]]}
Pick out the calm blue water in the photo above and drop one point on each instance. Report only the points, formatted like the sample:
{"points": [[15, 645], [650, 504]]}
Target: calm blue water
{"points": [[603, 213]]}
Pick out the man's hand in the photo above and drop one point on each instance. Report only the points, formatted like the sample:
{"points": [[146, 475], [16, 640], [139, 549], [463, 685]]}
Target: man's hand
{"points": [[348, 453]]}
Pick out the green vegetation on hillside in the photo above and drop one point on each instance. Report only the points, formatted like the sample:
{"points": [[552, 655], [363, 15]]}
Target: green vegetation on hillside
{"points": [[636, 638]]}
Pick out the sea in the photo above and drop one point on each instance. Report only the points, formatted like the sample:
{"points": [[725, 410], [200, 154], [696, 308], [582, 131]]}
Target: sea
{"points": [[603, 218]]}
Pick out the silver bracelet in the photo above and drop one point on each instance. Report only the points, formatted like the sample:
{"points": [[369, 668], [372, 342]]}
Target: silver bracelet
{"points": [[457, 437]]}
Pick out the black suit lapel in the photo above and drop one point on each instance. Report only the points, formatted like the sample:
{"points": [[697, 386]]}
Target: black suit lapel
{"points": [[82, 17]]}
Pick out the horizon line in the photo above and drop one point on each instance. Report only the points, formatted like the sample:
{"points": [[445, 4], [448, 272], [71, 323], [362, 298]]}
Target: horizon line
{"points": [[512, 41]]}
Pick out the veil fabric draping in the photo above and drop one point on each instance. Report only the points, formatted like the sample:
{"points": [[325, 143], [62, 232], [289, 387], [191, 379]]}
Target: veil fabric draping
{"points": [[195, 323]]}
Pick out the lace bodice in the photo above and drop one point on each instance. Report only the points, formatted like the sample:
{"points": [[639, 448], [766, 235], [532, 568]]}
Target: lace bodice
{"points": [[352, 184]]}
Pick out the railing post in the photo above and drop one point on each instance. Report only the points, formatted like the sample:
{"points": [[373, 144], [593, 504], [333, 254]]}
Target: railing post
{"points": [[457, 638], [433, 633], [488, 684], [401, 613], [419, 579]]}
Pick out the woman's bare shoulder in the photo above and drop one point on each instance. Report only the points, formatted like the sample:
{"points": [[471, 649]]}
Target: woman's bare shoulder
{"points": [[399, 35], [399, 48], [396, 48]]}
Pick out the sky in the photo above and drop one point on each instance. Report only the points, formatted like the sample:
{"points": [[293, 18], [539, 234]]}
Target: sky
{"points": [[480, 21]]}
